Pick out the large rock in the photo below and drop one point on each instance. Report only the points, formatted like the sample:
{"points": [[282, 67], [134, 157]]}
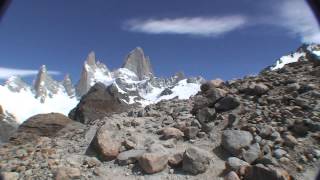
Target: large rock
{"points": [[253, 153], [234, 163], [105, 144], [195, 160], [170, 132], [138, 63], [1, 110], [234, 140], [129, 157], [227, 103], [99, 102], [253, 88], [44, 124], [265, 173], [153, 162], [232, 176]]}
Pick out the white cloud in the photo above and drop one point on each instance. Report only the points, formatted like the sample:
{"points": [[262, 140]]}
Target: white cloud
{"points": [[298, 19], [5, 73], [199, 26]]}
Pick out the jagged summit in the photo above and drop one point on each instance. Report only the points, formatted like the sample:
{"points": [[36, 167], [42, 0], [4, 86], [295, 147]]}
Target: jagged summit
{"points": [[67, 83], [92, 72], [135, 83], [44, 85], [137, 62]]}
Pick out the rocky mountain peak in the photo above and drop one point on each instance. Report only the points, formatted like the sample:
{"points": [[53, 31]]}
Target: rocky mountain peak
{"points": [[44, 85], [137, 62], [92, 72], [67, 83], [91, 59], [16, 84]]}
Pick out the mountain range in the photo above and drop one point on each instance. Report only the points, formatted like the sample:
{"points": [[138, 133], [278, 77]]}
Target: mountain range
{"points": [[135, 81]]}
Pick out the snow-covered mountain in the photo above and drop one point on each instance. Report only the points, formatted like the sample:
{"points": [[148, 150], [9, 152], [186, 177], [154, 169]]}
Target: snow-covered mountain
{"points": [[135, 82], [300, 55]]}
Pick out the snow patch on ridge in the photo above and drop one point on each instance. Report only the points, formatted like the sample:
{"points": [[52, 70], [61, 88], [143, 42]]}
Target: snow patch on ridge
{"points": [[294, 57], [23, 104]]}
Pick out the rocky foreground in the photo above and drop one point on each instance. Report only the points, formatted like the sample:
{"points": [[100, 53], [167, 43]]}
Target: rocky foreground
{"points": [[265, 127]]}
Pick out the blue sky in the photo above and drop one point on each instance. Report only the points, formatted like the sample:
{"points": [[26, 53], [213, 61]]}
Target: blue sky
{"points": [[215, 39]]}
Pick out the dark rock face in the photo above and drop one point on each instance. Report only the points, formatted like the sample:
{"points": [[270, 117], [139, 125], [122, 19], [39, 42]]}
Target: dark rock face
{"points": [[99, 102], [165, 92], [227, 103], [265, 173], [138, 63], [8, 126], [44, 124]]}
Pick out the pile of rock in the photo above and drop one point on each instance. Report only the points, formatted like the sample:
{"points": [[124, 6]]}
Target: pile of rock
{"points": [[262, 127]]}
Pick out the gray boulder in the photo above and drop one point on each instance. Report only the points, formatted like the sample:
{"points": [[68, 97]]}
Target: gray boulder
{"points": [[195, 160], [234, 140]]}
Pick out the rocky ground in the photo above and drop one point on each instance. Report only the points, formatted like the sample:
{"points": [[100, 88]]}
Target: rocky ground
{"points": [[264, 127]]}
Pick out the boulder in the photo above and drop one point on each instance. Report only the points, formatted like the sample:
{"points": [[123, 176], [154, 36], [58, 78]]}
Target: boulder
{"points": [[234, 140], [153, 162], [105, 144], [195, 160], [290, 140], [191, 132], [253, 88], [231, 176], [170, 132], [99, 102], [234, 163], [262, 172], [129, 157], [227, 103], [44, 124], [252, 154], [176, 159], [67, 173], [9, 176], [217, 82], [1, 110]]}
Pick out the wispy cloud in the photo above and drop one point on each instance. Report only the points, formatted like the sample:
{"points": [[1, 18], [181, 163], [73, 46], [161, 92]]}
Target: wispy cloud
{"points": [[297, 18], [5, 73], [198, 26]]}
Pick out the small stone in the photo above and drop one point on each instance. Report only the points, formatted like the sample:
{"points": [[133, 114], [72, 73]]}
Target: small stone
{"points": [[9, 176], [232, 176], [234, 163], [278, 153], [290, 140], [191, 132], [66, 173]]}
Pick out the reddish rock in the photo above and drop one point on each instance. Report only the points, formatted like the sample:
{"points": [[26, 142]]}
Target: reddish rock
{"points": [[153, 162]]}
